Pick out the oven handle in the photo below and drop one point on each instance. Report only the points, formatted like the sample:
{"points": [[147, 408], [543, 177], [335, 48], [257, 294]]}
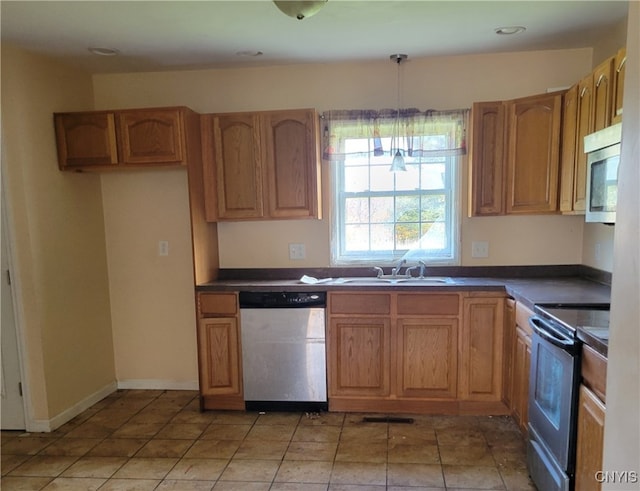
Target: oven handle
{"points": [[548, 333]]}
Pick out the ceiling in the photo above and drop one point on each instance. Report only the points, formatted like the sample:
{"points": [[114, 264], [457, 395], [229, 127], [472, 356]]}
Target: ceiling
{"points": [[180, 35]]}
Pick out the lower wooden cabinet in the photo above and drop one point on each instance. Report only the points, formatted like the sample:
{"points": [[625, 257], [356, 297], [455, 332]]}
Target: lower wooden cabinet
{"points": [[359, 357], [426, 352], [481, 347], [521, 362], [219, 351], [591, 412], [427, 358]]}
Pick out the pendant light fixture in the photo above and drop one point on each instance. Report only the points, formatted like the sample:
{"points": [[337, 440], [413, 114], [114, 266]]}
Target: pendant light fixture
{"points": [[300, 10], [398, 164]]}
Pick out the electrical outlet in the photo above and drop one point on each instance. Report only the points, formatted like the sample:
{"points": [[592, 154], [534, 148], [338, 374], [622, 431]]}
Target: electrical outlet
{"points": [[163, 248], [297, 251], [480, 248]]}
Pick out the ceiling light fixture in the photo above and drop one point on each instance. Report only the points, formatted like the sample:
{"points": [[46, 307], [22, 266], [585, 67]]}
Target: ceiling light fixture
{"points": [[300, 10], [104, 51], [398, 163], [509, 30]]}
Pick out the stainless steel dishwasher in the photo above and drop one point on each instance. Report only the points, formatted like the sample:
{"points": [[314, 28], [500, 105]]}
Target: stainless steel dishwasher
{"points": [[284, 364]]}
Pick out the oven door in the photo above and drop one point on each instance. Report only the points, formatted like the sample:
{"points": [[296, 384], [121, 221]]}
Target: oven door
{"points": [[553, 391]]}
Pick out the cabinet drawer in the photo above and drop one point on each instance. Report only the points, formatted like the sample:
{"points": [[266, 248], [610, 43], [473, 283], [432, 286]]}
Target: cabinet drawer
{"points": [[360, 303], [594, 371], [217, 304], [428, 304], [522, 318]]}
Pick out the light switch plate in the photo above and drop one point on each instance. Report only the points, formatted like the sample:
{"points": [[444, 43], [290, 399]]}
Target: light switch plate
{"points": [[297, 251], [163, 248], [480, 249]]}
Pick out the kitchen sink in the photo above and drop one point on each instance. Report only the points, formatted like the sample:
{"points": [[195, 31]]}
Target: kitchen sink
{"points": [[396, 280]]}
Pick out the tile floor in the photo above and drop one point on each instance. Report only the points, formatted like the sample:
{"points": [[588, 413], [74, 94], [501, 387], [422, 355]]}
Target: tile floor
{"points": [[159, 440]]}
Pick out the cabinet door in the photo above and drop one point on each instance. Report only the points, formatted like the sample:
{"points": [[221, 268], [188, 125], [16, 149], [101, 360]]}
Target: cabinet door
{"points": [[568, 158], [602, 93], [486, 159], [86, 139], [533, 154], [291, 146], [618, 85], [358, 351], [585, 127], [509, 341], [591, 413], [481, 347], [238, 166], [219, 356], [153, 136], [427, 358], [521, 365]]}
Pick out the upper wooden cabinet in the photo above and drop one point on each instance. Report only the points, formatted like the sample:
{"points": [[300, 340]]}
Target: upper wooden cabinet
{"points": [[592, 104], [619, 64], [515, 151], [263, 165], [603, 81], [108, 140], [487, 172], [533, 154]]}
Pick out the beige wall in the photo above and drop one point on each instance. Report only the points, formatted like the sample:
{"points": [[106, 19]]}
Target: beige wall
{"points": [[152, 302], [440, 83], [622, 424], [56, 230]]}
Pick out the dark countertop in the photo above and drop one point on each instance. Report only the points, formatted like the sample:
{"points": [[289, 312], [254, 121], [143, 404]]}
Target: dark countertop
{"points": [[527, 290]]}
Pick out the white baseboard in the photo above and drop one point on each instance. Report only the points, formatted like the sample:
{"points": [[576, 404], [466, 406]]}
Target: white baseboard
{"points": [[45, 426], [156, 384]]}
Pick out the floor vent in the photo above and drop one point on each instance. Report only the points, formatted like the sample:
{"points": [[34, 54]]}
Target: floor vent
{"points": [[387, 419]]}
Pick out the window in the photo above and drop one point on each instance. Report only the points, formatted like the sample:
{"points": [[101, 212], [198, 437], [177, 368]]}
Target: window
{"points": [[381, 216]]}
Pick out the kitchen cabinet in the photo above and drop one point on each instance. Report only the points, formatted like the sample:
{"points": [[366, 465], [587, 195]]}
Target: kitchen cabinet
{"points": [[508, 349], [358, 345], [602, 94], [481, 349], [415, 352], [219, 351], [486, 155], [619, 63], [262, 165], [521, 364], [591, 415], [568, 161], [132, 138], [533, 154], [515, 156]]}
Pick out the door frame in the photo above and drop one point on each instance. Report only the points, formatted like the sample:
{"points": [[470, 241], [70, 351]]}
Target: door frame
{"points": [[7, 232]]}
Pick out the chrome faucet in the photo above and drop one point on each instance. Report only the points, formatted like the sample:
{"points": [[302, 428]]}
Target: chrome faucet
{"points": [[423, 266], [379, 271], [396, 270]]}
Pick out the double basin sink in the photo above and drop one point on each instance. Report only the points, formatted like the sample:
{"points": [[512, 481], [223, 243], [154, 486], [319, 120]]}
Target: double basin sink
{"points": [[383, 280]]}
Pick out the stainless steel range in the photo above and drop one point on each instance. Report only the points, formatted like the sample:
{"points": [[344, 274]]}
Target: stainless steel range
{"points": [[553, 391]]}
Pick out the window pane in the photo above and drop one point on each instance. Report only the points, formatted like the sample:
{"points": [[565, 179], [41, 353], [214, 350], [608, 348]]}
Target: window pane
{"points": [[407, 208], [407, 235], [381, 178], [356, 237], [408, 180], [382, 237], [357, 210], [433, 207], [382, 209], [433, 176], [356, 179]]}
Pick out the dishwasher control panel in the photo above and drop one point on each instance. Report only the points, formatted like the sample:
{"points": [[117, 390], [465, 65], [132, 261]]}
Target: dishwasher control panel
{"points": [[279, 300]]}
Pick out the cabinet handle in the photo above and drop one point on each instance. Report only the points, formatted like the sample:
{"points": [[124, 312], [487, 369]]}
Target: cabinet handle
{"points": [[624, 60], [600, 78], [584, 89]]}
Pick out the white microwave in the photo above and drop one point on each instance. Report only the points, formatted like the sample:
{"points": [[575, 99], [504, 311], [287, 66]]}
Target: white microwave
{"points": [[603, 158]]}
